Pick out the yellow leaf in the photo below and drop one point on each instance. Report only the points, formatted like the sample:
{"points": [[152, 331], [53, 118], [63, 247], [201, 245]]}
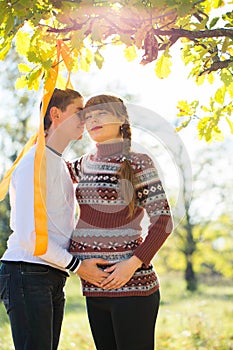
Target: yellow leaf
{"points": [[230, 51], [220, 95], [89, 56], [34, 80], [207, 7], [162, 67], [179, 128], [22, 42], [200, 80], [84, 63], [211, 78], [217, 3], [205, 109], [34, 85], [230, 123], [184, 108], [5, 49], [21, 82], [217, 134], [230, 89], [130, 53], [61, 82], [24, 68]]}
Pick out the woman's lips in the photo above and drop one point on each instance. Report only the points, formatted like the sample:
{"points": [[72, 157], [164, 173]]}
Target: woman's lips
{"points": [[96, 128]]}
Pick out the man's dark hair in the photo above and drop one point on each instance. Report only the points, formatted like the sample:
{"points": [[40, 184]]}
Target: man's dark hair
{"points": [[60, 99]]}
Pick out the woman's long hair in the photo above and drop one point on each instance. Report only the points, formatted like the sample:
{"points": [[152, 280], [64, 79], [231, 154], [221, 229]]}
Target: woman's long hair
{"points": [[116, 106]]}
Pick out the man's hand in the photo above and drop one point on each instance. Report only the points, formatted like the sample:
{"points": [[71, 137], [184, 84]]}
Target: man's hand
{"points": [[90, 272], [120, 273]]}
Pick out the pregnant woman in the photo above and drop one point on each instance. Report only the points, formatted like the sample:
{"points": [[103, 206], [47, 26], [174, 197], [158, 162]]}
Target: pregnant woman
{"points": [[115, 188]]}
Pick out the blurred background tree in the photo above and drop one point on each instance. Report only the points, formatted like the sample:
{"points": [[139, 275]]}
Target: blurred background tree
{"points": [[201, 244]]}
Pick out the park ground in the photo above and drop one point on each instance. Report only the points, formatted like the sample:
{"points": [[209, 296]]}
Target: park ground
{"points": [[187, 321]]}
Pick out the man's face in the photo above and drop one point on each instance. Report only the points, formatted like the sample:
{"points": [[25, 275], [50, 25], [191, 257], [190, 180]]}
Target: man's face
{"points": [[70, 123]]}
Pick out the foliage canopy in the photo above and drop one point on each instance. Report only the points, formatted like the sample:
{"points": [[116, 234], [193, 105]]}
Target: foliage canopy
{"points": [[145, 28]]}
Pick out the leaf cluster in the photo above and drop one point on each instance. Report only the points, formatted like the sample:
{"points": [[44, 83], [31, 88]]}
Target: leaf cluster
{"points": [[146, 29]]}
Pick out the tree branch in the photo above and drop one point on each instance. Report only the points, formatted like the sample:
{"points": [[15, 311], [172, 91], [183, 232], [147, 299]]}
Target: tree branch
{"points": [[192, 35], [216, 66]]}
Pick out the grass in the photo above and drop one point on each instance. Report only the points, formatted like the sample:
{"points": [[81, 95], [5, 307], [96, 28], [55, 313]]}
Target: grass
{"points": [[186, 321]]}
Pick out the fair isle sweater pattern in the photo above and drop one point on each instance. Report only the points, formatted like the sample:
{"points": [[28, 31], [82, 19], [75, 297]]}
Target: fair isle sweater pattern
{"points": [[104, 229]]}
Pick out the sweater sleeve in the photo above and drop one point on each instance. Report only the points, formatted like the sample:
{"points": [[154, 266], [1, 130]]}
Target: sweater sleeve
{"points": [[75, 169], [151, 196]]}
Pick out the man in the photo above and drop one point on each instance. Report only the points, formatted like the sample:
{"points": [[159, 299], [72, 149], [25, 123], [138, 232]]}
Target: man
{"points": [[31, 287]]}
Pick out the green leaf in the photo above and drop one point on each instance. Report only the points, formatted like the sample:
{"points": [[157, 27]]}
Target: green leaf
{"points": [[99, 59], [213, 22], [225, 44], [3, 13], [97, 32], [9, 25], [33, 57], [184, 8], [77, 39], [202, 24], [226, 77]]}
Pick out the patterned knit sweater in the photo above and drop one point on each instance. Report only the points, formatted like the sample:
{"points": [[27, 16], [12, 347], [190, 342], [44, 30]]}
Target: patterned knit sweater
{"points": [[104, 229]]}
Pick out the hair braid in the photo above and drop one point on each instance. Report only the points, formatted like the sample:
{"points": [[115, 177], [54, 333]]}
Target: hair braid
{"points": [[126, 172]]}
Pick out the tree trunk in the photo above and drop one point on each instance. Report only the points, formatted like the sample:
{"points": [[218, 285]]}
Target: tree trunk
{"points": [[190, 276]]}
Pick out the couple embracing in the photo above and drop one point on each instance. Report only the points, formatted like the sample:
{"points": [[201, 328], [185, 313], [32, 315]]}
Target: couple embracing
{"points": [[106, 247]]}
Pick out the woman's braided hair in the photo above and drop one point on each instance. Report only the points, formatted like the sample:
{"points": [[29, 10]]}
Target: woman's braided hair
{"points": [[116, 106]]}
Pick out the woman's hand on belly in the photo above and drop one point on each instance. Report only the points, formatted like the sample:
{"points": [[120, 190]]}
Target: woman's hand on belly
{"points": [[120, 273], [90, 272]]}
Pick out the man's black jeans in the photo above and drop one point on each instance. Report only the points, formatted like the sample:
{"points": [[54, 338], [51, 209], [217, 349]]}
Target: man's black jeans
{"points": [[34, 299]]}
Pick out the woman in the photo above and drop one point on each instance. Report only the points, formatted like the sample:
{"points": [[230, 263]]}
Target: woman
{"points": [[31, 287], [115, 187]]}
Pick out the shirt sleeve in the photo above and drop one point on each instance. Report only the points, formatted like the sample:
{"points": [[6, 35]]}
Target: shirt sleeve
{"points": [[151, 196], [23, 184]]}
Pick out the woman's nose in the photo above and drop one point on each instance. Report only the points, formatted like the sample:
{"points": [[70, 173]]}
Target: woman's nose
{"points": [[94, 120]]}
